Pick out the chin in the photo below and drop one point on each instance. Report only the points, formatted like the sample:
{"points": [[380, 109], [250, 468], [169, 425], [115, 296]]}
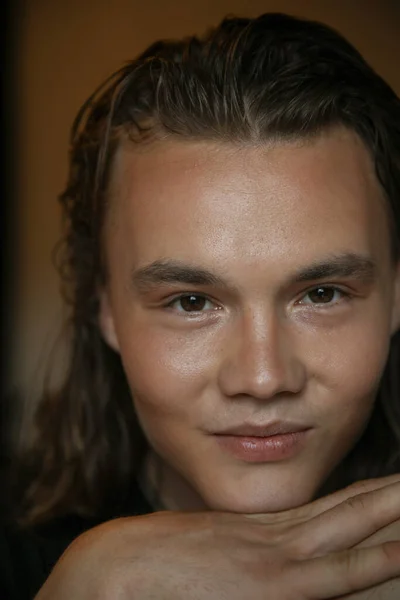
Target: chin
{"points": [[254, 501]]}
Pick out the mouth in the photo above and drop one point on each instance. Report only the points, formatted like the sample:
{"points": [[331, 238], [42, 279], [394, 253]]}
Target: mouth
{"points": [[264, 430], [264, 443]]}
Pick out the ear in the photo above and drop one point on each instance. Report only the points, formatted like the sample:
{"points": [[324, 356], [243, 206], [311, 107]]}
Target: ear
{"points": [[396, 301], [106, 321]]}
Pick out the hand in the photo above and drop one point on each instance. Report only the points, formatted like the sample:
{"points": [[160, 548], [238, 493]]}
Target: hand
{"points": [[305, 553], [389, 590]]}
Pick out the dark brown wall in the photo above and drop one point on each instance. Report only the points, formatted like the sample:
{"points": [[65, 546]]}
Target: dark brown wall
{"points": [[65, 48]]}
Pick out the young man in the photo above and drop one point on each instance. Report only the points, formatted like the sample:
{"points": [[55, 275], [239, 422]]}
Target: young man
{"points": [[233, 247]]}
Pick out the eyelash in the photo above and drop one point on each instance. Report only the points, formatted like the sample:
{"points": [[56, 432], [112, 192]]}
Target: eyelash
{"points": [[171, 303], [344, 296]]}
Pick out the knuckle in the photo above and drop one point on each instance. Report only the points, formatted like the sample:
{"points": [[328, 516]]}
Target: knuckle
{"points": [[349, 564], [391, 552], [356, 503], [298, 545], [360, 487]]}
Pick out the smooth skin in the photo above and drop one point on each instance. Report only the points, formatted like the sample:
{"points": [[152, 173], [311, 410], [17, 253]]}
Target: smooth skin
{"points": [[246, 284]]}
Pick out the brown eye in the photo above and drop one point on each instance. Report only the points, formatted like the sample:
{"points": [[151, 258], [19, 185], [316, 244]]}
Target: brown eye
{"points": [[192, 303], [322, 295]]}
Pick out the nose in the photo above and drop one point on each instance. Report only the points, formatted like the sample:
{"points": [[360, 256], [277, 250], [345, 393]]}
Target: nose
{"points": [[262, 359]]}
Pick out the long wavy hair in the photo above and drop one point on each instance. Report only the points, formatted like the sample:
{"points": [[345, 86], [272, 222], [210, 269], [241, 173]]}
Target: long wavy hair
{"points": [[275, 77]]}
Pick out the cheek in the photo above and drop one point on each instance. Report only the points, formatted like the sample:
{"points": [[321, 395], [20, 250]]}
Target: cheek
{"points": [[348, 375], [352, 352], [167, 373]]}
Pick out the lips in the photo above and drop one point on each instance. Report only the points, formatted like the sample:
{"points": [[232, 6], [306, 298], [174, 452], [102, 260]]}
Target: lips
{"points": [[264, 430], [272, 442]]}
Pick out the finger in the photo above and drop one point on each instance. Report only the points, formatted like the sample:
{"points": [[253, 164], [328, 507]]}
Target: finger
{"points": [[313, 509], [348, 523], [361, 487], [390, 533], [345, 572]]}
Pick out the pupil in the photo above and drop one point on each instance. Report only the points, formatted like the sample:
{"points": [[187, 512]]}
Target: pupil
{"points": [[192, 303], [322, 295]]}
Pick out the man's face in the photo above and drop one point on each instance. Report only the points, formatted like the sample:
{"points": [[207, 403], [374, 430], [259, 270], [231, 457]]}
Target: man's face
{"points": [[249, 287]]}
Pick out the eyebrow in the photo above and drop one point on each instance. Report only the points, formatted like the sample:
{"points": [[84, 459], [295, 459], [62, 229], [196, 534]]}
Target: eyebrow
{"points": [[168, 271], [172, 271], [344, 265]]}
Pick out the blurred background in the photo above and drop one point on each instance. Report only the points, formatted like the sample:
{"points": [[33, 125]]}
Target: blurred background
{"points": [[57, 52]]}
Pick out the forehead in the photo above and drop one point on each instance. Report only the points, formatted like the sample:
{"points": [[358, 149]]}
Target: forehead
{"points": [[221, 203]]}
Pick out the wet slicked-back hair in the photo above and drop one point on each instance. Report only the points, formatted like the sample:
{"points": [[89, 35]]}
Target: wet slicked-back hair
{"points": [[246, 81]]}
